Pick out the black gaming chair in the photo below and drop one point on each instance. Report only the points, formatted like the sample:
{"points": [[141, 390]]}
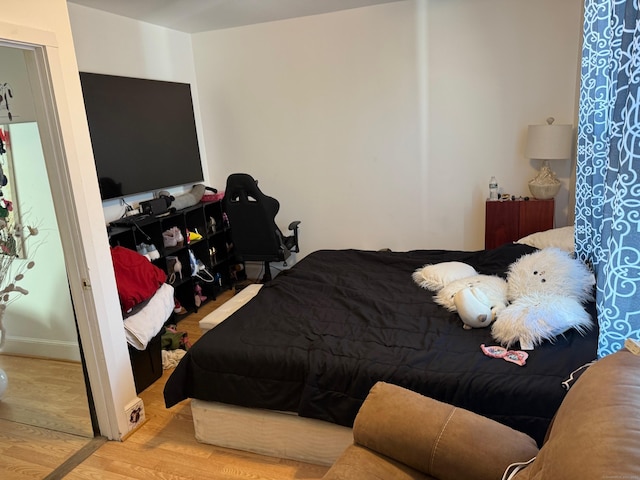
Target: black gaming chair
{"points": [[254, 232]]}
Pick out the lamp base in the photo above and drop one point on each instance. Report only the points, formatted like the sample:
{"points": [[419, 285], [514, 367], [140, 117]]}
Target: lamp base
{"points": [[544, 192], [545, 185]]}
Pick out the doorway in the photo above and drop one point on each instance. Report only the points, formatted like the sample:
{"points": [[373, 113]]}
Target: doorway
{"points": [[41, 353]]}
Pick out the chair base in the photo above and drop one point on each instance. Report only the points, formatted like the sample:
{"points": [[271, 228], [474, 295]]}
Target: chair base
{"points": [[267, 273]]}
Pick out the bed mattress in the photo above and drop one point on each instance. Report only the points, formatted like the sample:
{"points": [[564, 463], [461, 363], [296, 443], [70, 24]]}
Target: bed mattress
{"points": [[315, 339]]}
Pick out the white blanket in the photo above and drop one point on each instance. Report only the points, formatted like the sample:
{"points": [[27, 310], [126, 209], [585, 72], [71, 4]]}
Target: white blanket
{"points": [[141, 327], [171, 358]]}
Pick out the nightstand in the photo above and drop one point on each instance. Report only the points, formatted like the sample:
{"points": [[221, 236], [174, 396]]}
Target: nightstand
{"points": [[509, 220]]}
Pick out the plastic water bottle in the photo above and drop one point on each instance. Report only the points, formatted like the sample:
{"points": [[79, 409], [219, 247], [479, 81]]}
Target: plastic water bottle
{"points": [[493, 189]]}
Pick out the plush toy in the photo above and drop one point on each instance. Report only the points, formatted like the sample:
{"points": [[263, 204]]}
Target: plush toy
{"points": [[460, 288], [541, 299], [546, 290], [436, 276], [185, 200], [478, 299]]}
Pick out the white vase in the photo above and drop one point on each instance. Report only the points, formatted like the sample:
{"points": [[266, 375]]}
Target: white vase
{"points": [[4, 381]]}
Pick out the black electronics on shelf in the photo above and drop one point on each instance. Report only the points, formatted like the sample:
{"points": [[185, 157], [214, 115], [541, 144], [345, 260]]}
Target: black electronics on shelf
{"points": [[216, 268], [129, 221]]}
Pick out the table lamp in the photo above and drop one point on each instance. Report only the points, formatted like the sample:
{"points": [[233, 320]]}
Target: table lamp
{"points": [[548, 142]]}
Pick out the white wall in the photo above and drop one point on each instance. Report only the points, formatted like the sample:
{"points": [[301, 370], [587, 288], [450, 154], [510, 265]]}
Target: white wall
{"points": [[377, 127], [381, 126]]}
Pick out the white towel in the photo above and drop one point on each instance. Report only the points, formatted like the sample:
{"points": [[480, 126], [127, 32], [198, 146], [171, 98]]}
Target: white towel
{"points": [[171, 358], [141, 327]]}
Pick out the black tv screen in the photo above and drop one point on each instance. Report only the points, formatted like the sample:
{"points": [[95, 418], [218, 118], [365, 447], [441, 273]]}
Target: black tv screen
{"points": [[143, 134]]}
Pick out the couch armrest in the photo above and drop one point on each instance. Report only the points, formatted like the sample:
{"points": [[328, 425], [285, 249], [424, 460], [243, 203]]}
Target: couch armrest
{"points": [[596, 431], [436, 438]]}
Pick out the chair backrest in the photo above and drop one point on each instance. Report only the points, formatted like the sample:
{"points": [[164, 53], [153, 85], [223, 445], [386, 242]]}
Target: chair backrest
{"points": [[252, 219]]}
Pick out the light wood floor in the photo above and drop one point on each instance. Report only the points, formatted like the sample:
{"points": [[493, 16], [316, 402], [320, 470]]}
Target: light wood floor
{"points": [[44, 416], [46, 393], [29, 453], [163, 448]]}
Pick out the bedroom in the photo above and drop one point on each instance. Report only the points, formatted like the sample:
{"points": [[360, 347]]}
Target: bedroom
{"points": [[392, 181]]}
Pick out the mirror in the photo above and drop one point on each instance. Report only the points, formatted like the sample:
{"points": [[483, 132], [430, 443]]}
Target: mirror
{"points": [[39, 352]]}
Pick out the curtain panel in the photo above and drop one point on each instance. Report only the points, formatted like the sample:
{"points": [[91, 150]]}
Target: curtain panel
{"points": [[607, 222]]}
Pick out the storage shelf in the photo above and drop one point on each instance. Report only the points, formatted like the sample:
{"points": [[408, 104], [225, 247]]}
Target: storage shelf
{"points": [[196, 218]]}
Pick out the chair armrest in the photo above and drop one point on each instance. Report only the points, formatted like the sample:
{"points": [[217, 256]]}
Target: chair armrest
{"points": [[438, 439], [294, 225]]}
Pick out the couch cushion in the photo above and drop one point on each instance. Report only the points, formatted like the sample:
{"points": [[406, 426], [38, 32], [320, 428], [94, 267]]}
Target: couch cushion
{"points": [[596, 432], [436, 438], [359, 463]]}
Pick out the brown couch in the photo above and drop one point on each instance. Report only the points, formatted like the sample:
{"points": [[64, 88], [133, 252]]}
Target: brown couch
{"points": [[399, 434]]}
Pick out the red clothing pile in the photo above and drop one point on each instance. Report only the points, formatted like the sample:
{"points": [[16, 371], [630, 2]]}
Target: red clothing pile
{"points": [[136, 277]]}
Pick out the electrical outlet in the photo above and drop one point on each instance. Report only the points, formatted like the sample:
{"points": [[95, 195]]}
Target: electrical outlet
{"points": [[135, 414]]}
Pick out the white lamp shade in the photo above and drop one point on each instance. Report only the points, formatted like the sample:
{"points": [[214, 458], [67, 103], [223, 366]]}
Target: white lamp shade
{"points": [[549, 142]]}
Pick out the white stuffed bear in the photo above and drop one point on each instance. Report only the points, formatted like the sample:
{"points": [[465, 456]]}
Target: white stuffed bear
{"points": [[477, 298], [546, 290]]}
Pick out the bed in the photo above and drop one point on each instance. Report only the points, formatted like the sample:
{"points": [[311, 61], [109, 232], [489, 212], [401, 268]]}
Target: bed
{"points": [[315, 339]]}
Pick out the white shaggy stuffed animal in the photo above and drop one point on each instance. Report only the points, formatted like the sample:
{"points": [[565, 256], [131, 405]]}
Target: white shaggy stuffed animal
{"points": [[546, 290]]}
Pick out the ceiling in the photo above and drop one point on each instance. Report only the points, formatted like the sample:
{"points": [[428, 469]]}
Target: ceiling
{"points": [[192, 16]]}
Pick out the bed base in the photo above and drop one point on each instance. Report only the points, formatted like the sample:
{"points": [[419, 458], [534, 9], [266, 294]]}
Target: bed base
{"points": [[272, 433], [267, 432]]}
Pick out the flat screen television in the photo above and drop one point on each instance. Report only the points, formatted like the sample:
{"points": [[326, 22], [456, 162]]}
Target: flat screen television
{"points": [[143, 134]]}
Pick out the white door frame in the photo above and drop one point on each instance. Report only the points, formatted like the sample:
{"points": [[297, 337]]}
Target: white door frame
{"points": [[45, 72]]}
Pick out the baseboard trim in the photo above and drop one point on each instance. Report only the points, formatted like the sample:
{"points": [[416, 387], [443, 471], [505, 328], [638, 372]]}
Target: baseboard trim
{"points": [[37, 347]]}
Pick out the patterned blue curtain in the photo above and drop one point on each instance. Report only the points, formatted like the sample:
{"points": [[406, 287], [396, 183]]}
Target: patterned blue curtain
{"points": [[608, 170]]}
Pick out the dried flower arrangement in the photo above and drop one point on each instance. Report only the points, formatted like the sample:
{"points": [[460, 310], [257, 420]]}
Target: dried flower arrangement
{"points": [[12, 268], [12, 238]]}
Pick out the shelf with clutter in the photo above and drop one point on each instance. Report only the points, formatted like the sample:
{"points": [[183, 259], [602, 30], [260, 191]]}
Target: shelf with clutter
{"points": [[192, 246], [167, 265]]}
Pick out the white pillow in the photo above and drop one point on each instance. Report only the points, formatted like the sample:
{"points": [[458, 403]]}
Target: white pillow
{"points": [[556, 237], [437, 276]]}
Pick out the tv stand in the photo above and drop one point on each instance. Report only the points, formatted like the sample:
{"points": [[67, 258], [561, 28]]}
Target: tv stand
{"points": [[214, 250]]}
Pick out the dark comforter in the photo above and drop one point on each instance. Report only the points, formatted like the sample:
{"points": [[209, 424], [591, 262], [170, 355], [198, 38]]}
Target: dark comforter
{"points": [[317, 338]]}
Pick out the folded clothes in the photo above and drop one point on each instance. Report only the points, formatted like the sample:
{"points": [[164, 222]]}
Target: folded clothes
{"points": [[144, 325]]}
